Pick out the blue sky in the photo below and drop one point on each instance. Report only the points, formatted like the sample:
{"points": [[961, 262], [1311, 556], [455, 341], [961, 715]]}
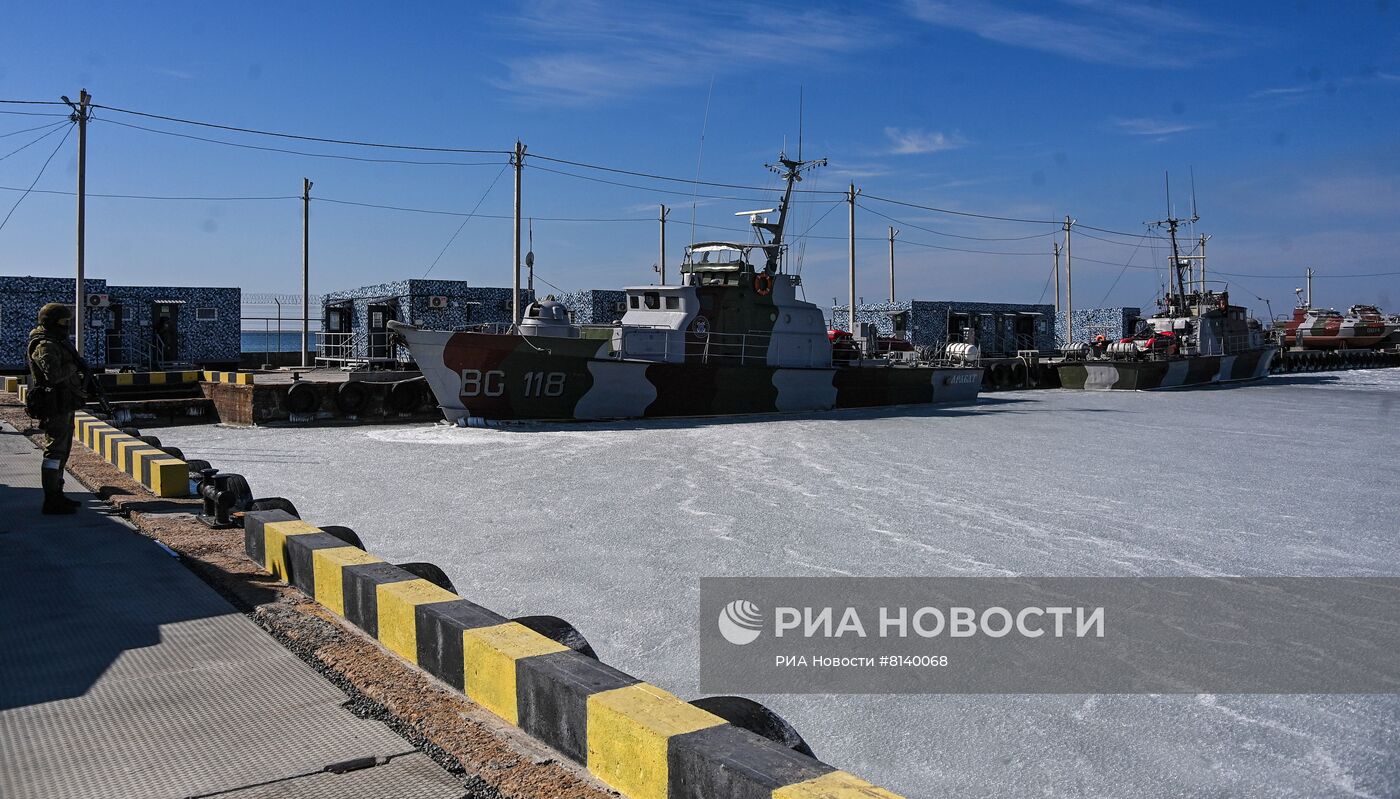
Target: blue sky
{"points": [[1286, 113]]}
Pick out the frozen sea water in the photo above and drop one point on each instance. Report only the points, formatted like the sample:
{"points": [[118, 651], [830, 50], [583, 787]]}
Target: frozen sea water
{"points": [[611, 525]]}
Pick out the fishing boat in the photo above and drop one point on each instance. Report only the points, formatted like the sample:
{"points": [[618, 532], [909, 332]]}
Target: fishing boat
{"points": [[732, 338], [1196, 337]]}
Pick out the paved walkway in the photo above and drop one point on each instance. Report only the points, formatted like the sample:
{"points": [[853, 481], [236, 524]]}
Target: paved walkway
{"points": [[122, 674]]}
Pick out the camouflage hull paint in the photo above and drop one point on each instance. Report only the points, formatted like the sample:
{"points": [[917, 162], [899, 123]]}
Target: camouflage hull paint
{"points": [[1179, 373], [504, 377]]}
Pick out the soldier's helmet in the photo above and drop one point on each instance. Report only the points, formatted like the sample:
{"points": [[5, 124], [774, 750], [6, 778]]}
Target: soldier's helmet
{"points": [[55, 314]]}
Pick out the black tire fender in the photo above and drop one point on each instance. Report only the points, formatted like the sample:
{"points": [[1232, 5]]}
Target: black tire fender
{"points": [[560, 631], [351, 398], [303, 398], [757, 719]]}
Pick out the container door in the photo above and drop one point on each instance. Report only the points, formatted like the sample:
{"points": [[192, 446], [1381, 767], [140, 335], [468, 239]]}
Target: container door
{"points": [[116, 349], [165, 332], [379, 316]]}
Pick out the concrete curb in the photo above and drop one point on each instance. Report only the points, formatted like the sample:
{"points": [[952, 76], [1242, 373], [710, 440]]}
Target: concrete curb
{"points": [[236, 378], [637, 738], [149, 378], [151, 467], [12, 384]]}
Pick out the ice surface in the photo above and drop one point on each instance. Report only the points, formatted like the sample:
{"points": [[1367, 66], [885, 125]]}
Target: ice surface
{"points": [[610, 525]]}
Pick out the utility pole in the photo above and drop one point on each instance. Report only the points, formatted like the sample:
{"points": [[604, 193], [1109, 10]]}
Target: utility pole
{"points": [[851, 201], [81, 115], [518, 161], [305, 277], [1310, 275], [662, 261], [893, 233], [1069, 285], [1057, 279]]}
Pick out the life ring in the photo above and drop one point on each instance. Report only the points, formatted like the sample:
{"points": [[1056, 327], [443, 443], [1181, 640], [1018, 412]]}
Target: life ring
{"points": [[763, 284]]}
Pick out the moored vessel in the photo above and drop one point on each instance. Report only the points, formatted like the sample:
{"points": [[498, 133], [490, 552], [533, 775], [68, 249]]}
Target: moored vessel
{"points": [[1197, 337], [732, 338]]}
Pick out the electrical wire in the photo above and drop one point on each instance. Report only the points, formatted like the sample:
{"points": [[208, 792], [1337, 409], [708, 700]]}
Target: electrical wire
{"points": [[42, 169], [53, 129], [480, 216], [151, 196], [335, 156], [32, 114], [26, 130], [348, 142], [687, 181], [864, 207], [652, 189], [961, 213], [494, 180], [1121, 272]]}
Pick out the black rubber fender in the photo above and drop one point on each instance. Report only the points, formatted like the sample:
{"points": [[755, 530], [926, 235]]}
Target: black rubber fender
{"points": [[243, 494], [344, 534], [131, 431], [560, 631], [351, 398], [405, 397], [197, 468], [757, 719], [431, 573], [1018, 374], [274, 503], [303, 397], [151, 440], [174, 452]]}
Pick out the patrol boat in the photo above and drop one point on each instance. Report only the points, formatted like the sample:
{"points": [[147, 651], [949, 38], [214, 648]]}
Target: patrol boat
{"points": [[732, 338], [1197, 337]]}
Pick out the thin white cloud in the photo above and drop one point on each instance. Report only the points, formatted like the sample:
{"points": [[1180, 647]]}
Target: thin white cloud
{"points": [[916, 141], [579, 53], [1146, 126], [1097, 31]]}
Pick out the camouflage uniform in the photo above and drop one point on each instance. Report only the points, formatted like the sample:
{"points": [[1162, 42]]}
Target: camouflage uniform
{"points": [[54, 363]]}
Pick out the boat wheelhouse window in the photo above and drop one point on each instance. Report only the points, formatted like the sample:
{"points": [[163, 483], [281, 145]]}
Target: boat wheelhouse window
{"points": [[635, 301], [652, 300], [673, 303]]}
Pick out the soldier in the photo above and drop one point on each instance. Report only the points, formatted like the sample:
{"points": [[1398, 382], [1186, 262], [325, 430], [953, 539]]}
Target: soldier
{"points": [[57, 378]]}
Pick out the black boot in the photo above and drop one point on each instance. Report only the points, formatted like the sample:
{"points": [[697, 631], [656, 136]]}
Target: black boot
{"points": [[66, 499], [54, 501]]}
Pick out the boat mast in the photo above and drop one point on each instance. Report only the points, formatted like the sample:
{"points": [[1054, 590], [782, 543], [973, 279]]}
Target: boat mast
{"points": [[1176, 304], [792, 173]]}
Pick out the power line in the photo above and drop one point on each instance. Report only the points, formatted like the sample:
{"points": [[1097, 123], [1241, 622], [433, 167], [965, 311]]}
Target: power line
{"points": [[151, 196], [32, 114], [335, 156], [26, 130], [953, 235], [33, 102], [36, 178], [652, 189], [53, 129], [687, 181], [466, 220], [962, 213], [1122, 272], [349, 142], [1295, 277], [480, 216]]}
